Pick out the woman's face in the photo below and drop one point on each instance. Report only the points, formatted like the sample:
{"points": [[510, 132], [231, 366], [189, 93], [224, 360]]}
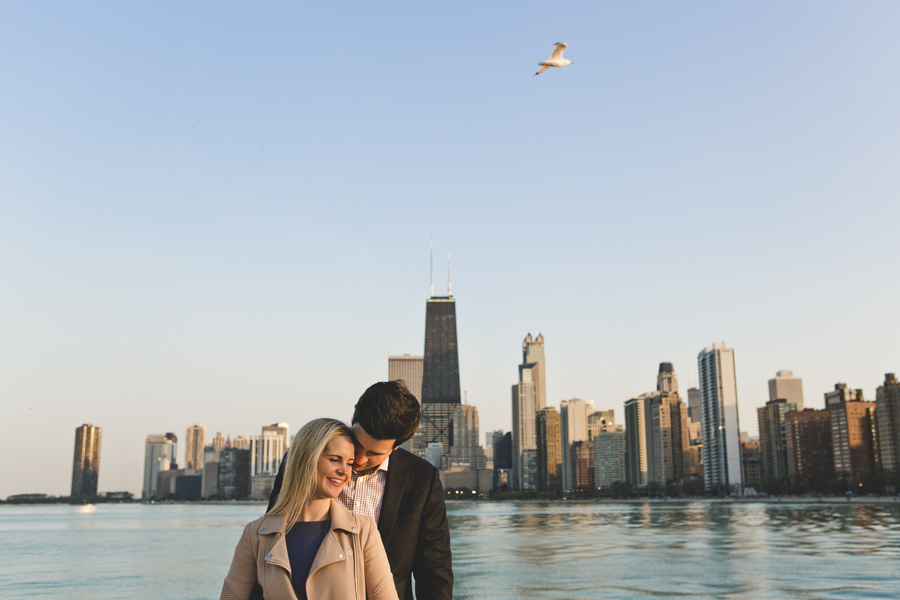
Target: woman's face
{"points": [[335, 467]]}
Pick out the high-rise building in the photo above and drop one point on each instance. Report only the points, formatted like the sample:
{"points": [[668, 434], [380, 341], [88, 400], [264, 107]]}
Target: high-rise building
{"points": [[666, 380], [751, 467], [160, 453], [668, 437], [209, 481], [194, 442], [549, 450], [408, 369], [582, 465], [809, 449], [636, 469], [668, 433], [599, 421], [86, 462], [434, 453], [573, 425], [524, 437], [533, 354], [440, 372], [694, 404], [773, 435], [722, 455], [234, 474], [786, 386], [466, 451], [887, 413], [273, 443], [851, 433], [609, 458]]}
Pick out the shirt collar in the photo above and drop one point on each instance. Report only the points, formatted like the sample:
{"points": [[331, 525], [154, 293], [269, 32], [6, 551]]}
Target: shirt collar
{"points": [[382, 467]]}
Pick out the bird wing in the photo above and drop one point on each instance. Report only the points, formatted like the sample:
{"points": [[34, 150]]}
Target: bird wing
{"points": [[558, 51]]}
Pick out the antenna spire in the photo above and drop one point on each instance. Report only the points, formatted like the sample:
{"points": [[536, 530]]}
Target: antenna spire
{"points": [[449, 293], [432, 268]]}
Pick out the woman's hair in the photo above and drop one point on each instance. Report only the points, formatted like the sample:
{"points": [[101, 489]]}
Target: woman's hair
{"points": [[301, 467]]}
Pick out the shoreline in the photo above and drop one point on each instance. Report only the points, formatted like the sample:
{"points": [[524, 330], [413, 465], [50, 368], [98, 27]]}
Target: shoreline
{"points": [[869, 500]]}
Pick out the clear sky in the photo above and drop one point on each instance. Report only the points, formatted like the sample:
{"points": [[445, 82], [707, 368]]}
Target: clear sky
{"points": [[220, 212]]}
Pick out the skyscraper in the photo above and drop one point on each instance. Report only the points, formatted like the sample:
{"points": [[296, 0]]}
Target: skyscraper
{"points": [[86, 462], [773, 435], [533, 354], [549, 450], [573, 425], [160, 453], [722, 455], [440, 372], [887, 413], [668, 434], [194, 442], [524, 436], [273, 443], [851, 433], [786, 386], [694, 404], [466, 450], [636, 469], [810, 457], [409, 369], [609, 458]]}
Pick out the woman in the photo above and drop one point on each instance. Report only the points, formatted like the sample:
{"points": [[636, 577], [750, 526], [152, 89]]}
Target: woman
{"points": [[309, 547]]}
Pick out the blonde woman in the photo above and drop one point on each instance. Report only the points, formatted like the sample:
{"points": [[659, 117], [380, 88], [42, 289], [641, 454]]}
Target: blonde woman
{"points": [[309, 547]]}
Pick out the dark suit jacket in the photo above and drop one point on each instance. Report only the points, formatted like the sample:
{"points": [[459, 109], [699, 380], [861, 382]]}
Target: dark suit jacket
{"points": [[413, 527]]}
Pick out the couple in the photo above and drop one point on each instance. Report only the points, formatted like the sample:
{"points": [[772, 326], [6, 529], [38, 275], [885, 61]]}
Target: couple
{"points": [[351, 515]]}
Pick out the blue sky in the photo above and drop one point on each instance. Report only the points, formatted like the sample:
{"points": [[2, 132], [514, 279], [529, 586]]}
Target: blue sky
{"points": [[220, 212]]}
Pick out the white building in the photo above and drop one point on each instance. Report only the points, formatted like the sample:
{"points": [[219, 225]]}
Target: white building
{"points": [[788, 387], [434, 453], [273, 443], [524, 434], [609, 458], [722, 456], [573, 425], [159, 455]]}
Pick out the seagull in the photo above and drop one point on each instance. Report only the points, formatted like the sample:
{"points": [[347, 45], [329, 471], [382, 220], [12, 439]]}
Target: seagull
{"points": [[556, 59]]}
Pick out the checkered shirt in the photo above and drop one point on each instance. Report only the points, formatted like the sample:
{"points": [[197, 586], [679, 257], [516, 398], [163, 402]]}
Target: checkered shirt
{"points": [[364, 492]]}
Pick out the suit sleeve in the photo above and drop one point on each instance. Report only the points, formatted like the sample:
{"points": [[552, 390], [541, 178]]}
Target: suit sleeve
{"points": [[241, 579], [432, 567], [276, 487], [379, 580]]}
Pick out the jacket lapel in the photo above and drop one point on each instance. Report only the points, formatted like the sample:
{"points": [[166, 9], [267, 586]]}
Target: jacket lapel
{"points": [[394, 486], [331, 550]]}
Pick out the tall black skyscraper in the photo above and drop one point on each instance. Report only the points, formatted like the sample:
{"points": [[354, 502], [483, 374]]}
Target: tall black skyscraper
{"points": [[86, 464], [440, 371]]}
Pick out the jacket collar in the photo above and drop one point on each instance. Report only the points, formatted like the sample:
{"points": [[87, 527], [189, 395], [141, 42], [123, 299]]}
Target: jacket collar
{"points": [[341, 519], [330, 551]]}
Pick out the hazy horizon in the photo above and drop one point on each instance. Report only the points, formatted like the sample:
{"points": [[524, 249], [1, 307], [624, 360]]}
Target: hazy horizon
{"points": [[221, 213]]}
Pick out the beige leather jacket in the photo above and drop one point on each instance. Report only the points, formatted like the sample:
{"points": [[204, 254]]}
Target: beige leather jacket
{"points": [[350, 563]]}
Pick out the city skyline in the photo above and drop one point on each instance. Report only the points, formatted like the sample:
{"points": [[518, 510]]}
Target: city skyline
{"points": [[204, 227]]}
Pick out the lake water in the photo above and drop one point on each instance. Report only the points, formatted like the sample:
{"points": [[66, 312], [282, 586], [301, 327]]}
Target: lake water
{"points": [[500, 550]]}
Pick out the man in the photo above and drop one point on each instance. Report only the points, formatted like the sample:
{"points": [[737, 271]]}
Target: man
{"points": [[401, 491]]}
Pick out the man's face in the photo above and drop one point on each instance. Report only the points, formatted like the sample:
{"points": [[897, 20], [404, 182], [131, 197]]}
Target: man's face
{"points": [[370, 452]]}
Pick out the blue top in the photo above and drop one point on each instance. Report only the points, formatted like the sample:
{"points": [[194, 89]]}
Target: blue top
{"points": [[303, 541]]}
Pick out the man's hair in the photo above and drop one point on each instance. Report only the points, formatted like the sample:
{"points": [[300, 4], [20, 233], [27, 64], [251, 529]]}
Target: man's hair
{"points": [[388, 411]]}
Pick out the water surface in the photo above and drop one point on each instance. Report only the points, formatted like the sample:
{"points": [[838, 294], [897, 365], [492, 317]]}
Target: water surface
{"points": [[500, 550]]}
